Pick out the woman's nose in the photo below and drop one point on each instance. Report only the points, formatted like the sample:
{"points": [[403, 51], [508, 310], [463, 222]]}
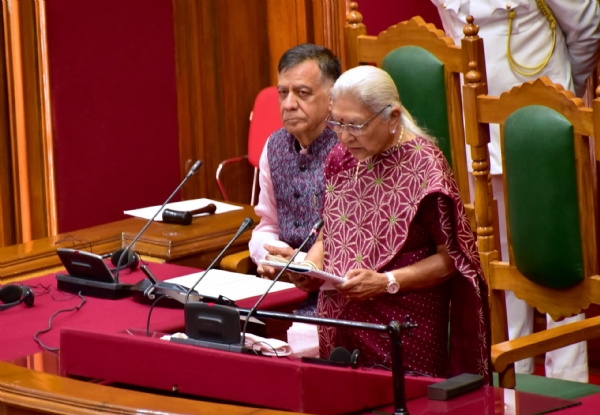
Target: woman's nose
{"points": [[344, 136]]}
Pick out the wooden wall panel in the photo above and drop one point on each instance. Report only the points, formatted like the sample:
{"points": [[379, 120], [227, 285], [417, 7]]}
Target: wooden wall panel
{"points": [[227, 51], [30, 145], [223, 62], [7, 214], [95, 104], [288, 24], [329, 17], [291, 22]]}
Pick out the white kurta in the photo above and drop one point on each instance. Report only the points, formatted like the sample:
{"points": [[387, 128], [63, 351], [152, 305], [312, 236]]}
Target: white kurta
{"points": [[575, 55]]}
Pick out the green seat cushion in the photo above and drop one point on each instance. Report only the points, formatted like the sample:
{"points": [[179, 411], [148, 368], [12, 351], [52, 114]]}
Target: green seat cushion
{"points": [[419, 77], [542, 197], [556, 388]]}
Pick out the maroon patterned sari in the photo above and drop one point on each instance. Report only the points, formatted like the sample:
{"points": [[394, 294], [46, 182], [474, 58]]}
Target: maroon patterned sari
{"points": [[393, 212]]}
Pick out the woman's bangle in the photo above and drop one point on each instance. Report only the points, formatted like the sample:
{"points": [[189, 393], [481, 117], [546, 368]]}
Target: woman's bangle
{"points": [[310, 264]]}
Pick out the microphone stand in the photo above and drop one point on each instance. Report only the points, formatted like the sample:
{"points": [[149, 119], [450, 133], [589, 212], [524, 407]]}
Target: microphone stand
{"points": [[248, 222], [314, 231], [182, 294], [112, 288], [190, 173], [394, 329]]}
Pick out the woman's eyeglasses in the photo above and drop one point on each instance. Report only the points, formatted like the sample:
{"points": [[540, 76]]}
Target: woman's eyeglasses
{"points": [[353, 129]]}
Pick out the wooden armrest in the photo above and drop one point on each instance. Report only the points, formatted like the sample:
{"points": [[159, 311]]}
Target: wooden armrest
{"points": [[238, 262], [535, 344]]}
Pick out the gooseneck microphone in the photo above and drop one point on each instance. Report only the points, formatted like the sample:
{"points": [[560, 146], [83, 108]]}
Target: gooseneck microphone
{"points": [[246, 224], [314, 231], [193, 170]]}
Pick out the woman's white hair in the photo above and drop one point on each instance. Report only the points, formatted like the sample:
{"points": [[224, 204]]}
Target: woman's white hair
{"points": [[376, 89]]}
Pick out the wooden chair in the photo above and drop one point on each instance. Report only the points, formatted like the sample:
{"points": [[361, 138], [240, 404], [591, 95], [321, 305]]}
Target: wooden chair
{"points": [[265, 119], [426, 67], [550, 182]]}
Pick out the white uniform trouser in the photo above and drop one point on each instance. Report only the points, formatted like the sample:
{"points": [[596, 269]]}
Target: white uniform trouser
{"points": [[568, 363]]}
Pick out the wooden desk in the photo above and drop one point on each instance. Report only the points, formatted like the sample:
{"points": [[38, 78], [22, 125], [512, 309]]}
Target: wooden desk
{"points": [[198, 244], [25, 391], [194, 245]]}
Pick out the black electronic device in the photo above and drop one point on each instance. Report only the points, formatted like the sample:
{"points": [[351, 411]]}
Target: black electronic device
{"points": [[12, 295], [340, 356], [133, 260], [454, 386], [89, 273], [147, 290], [215, 326]]}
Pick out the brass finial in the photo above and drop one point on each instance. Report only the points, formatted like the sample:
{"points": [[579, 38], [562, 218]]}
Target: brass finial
{"points": [[473, 76], [353, 17], [470, 30]]}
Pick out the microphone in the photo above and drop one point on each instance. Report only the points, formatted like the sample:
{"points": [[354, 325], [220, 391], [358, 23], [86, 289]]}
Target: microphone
{"points": [[193, 170], [185, 218], [314, 231], [178, 292], [246, 224]]}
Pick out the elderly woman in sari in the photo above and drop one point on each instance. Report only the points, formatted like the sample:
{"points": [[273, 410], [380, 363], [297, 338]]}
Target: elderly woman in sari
{"points": [[396, 228]]}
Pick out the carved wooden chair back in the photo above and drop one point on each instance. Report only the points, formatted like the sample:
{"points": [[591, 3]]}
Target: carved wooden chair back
{"points": [[426, 67], [549, 161]]}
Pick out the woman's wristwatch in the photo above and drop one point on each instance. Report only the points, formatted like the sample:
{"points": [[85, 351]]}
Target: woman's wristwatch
{"points": [[393, 287]]}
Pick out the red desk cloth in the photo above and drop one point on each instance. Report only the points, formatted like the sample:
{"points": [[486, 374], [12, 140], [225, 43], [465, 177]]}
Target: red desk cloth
{"points": [[589, 405], [275, 383], [18, 324], [272, 382]]}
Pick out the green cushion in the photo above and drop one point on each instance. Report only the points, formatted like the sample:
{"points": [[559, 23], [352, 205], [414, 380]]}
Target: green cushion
{"points": [[556, 388], [542, 197], [419, 77]]}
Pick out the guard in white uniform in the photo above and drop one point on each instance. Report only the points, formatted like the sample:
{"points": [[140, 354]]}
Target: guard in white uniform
{"points": [[556, 38]]}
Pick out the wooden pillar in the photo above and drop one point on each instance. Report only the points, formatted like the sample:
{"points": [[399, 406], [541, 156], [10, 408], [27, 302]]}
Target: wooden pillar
{"points": [[352, 30], [27, 190]]}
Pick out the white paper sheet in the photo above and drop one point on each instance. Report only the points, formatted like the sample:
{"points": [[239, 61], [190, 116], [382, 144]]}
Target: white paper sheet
{"points": [[183, 206], [229, 284], [306, 270]]}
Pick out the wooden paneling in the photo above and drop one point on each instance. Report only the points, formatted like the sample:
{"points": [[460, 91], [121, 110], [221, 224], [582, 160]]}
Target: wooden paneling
{"points": [[329, 19], [195, 245], [291, 22], [222, 63], [30, 144], [287, 26], [7, 207], [226, 52]]}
